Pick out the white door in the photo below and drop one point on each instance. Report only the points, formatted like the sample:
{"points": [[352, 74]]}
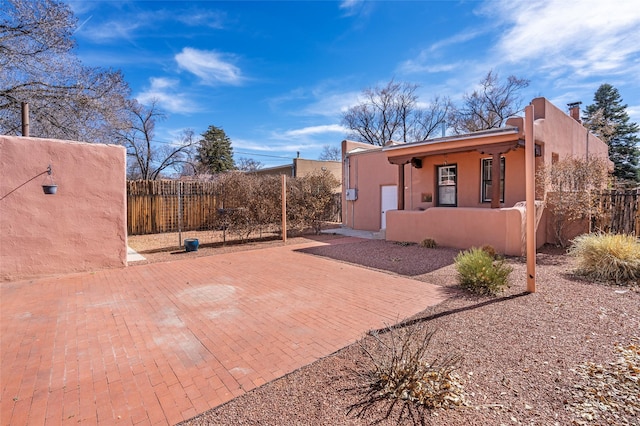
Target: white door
{"points": [[388, 201]]}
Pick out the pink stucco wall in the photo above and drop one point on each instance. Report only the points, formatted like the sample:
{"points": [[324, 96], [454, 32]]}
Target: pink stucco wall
{"points": [[366, 172], [460, 227], [82, 227]]}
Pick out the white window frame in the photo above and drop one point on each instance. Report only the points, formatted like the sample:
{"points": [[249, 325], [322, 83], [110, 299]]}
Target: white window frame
{"points": [[445, 183]]}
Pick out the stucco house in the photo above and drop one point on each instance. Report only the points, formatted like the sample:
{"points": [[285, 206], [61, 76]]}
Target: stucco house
{"points": [[445, 188]]}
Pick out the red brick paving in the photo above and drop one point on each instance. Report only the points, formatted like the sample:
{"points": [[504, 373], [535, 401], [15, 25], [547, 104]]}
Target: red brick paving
{"points": [[160, 343]]}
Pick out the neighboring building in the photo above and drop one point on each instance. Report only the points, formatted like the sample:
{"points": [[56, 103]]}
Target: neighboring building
{"points": [[301, 167], [444, 188]]}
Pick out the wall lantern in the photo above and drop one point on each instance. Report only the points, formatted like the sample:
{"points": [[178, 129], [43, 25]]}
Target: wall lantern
{"points": [[50, 187]]}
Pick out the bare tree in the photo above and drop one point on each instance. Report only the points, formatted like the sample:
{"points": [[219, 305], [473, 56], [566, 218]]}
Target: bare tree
{"points": [[149, 159], [430, 121], [67, 100], [392, 112], [330, 153], [248, 164], [490, 106]]}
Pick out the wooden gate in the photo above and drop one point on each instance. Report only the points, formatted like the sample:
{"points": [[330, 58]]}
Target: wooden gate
{"points": [[619, 212]]}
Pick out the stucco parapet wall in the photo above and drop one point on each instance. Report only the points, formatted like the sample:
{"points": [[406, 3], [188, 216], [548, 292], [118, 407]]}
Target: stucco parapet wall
{"points": [[563, 135], [460, 227], [80, 228]]}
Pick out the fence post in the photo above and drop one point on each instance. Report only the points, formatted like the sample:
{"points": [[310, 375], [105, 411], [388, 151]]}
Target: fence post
{"points": [[284, 209], [179, 214]]}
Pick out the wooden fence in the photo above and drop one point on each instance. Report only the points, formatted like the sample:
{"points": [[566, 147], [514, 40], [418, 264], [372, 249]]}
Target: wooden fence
{"points": [[620, 212], [169, 206]]}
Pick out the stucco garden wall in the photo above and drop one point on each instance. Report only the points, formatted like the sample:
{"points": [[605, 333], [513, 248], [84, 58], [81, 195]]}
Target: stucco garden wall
{"points": [[81, 228], [460, 227]]}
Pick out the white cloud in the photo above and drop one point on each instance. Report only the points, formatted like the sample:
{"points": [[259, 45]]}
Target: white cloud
{"points": [[314, 130], [416, 67], [351, 7], [323, 100], [306, 139], [210, 66], [428, 59], [164, 92], [331, 105], [598, 36], [109, 31], [274, 147], [204, 18]]}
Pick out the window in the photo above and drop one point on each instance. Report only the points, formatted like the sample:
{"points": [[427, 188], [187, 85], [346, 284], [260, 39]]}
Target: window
{"points": [[487, 179], [447, 185]]}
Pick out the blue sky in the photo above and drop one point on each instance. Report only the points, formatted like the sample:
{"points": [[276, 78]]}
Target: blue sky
{"points": [[277, 75]]}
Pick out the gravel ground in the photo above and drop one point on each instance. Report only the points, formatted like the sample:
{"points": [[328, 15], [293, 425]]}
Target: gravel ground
{"points": [[534, 359]]}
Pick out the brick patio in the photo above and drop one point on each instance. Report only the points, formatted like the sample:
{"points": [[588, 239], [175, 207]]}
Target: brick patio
{"points": [[160, 343]]}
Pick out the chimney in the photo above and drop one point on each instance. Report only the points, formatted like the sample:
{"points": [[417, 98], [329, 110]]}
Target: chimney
{"points": [[574, 111]]}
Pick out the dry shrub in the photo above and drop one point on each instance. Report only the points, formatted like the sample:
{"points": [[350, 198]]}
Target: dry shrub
{"points": [[488, 248], [607, 257], [570, 187], [428, 243], [249, 203], [310, 200], [394, 373], [404, 243]]}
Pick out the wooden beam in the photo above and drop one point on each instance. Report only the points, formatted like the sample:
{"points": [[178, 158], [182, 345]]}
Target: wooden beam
{"points": [[503, 148]]}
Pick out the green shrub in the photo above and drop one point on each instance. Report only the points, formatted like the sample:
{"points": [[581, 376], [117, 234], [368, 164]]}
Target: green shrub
{"points": [[607, 257], [479, 273], [428, 243]]}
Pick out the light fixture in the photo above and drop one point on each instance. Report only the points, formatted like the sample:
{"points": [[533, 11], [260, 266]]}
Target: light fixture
{"points": [[49, 188]]}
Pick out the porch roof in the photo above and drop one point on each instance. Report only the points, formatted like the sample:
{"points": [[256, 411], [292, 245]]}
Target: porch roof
{"points": [[490, 141]]}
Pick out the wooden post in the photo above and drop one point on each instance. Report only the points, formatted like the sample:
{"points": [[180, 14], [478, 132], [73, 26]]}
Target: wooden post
{"points": [[25, 119], [400, 186], [284, 209], [530, 197], [495, 180]]}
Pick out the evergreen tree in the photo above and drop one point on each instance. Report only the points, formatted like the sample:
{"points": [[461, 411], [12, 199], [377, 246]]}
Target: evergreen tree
{"points": [[607, 118], [215, 153]]}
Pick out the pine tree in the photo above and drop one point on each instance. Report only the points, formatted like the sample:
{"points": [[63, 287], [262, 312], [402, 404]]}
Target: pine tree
{"points": [[608, 119], [215, 153]]}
